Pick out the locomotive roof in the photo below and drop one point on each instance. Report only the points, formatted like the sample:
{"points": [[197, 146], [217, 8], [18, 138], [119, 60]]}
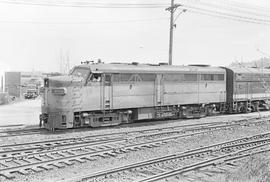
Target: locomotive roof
{"points": [[246, 70], [144, 68]]}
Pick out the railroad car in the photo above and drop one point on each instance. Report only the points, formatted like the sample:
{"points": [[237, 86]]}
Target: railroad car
{"points": [[247, 89], [100, 94]]}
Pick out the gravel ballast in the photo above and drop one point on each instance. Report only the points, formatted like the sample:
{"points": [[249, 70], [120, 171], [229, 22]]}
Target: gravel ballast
{"points": [[178, 145]]}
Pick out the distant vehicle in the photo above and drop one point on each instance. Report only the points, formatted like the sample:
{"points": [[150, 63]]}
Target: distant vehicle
{"points": [[31, 94], [100, 94], [4, 98]]}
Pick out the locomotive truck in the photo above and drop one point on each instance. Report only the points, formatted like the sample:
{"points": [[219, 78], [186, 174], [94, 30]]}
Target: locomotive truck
{"points": [[98, 94]]}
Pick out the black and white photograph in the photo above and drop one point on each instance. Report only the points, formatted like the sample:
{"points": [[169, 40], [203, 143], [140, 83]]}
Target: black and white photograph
{"points": [[134, 91]]}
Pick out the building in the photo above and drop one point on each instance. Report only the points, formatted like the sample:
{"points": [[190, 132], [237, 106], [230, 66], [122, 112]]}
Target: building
{"points": [[16, 84], [2, 84], [13, 83], [31, 81]]}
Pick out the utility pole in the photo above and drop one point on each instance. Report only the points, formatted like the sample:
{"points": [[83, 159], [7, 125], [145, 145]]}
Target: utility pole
{"points": [[172, 9], [171, 32]]}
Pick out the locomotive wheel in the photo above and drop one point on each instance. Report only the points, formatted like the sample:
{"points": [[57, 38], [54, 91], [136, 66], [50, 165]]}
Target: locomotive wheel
{"points": [[241, 109]]}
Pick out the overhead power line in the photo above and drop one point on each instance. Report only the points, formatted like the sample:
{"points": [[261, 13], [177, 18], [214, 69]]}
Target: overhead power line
{"points": [[87, 4], [217, 15], [87, 22], [228, 10], [227, 14], [229, 4], [246, 6], [220, 12], [218, 8], [227, 7]]}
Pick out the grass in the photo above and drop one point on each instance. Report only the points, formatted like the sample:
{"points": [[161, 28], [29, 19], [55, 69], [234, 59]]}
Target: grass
{"points": [[255, 169]]}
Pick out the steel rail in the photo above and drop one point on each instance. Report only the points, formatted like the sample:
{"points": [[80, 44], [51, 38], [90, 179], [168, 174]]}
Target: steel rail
{"points": [[109, 134], [215, 161], [195, 152], [6, 171], [80, 157], [33, 131], [85, 144], [50, 144], [36, 130]]}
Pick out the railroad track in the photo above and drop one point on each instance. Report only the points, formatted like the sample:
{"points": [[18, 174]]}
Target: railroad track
{"points": [[52, 156], [11, 125], [171, 166], [13, 150], [20, 132], [33, 131], [38, 146]]}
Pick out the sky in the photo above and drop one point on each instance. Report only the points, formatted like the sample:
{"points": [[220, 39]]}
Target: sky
{"points": [[35, 37]]}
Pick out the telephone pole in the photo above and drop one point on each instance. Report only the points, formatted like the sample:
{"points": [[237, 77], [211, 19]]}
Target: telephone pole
{"points": [[171, 9]]}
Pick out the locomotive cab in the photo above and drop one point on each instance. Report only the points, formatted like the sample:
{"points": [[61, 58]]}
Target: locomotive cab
{"points": [[59, 95], [81, 99]]}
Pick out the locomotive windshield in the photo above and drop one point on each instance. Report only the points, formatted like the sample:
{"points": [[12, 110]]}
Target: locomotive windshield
{"points": [[82, 72]]}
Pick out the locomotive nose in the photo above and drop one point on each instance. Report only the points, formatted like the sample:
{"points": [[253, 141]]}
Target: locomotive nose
{"points": [[61, 81], [56, 82]]}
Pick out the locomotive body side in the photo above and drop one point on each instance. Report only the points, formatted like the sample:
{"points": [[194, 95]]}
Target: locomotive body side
{"points": [[249, 89], [111, 94]]}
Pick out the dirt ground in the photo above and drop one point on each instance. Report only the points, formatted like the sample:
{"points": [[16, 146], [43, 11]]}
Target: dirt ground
{"points": [[25, 112]]}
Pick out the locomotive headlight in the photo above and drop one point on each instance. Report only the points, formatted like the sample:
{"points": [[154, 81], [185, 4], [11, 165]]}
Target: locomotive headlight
{"points": [[59, 91], [42, 90]]}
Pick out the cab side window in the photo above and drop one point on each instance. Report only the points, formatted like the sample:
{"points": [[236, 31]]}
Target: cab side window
{"points": [[96, 77], [108, 80]]}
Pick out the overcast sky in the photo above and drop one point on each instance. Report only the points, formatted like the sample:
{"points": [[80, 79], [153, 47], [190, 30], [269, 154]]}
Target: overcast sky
{"points": [[33, 37]]}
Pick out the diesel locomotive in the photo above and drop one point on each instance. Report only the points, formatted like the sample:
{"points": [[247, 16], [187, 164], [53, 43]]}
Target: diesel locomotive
{"points": [[99, 94]]}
